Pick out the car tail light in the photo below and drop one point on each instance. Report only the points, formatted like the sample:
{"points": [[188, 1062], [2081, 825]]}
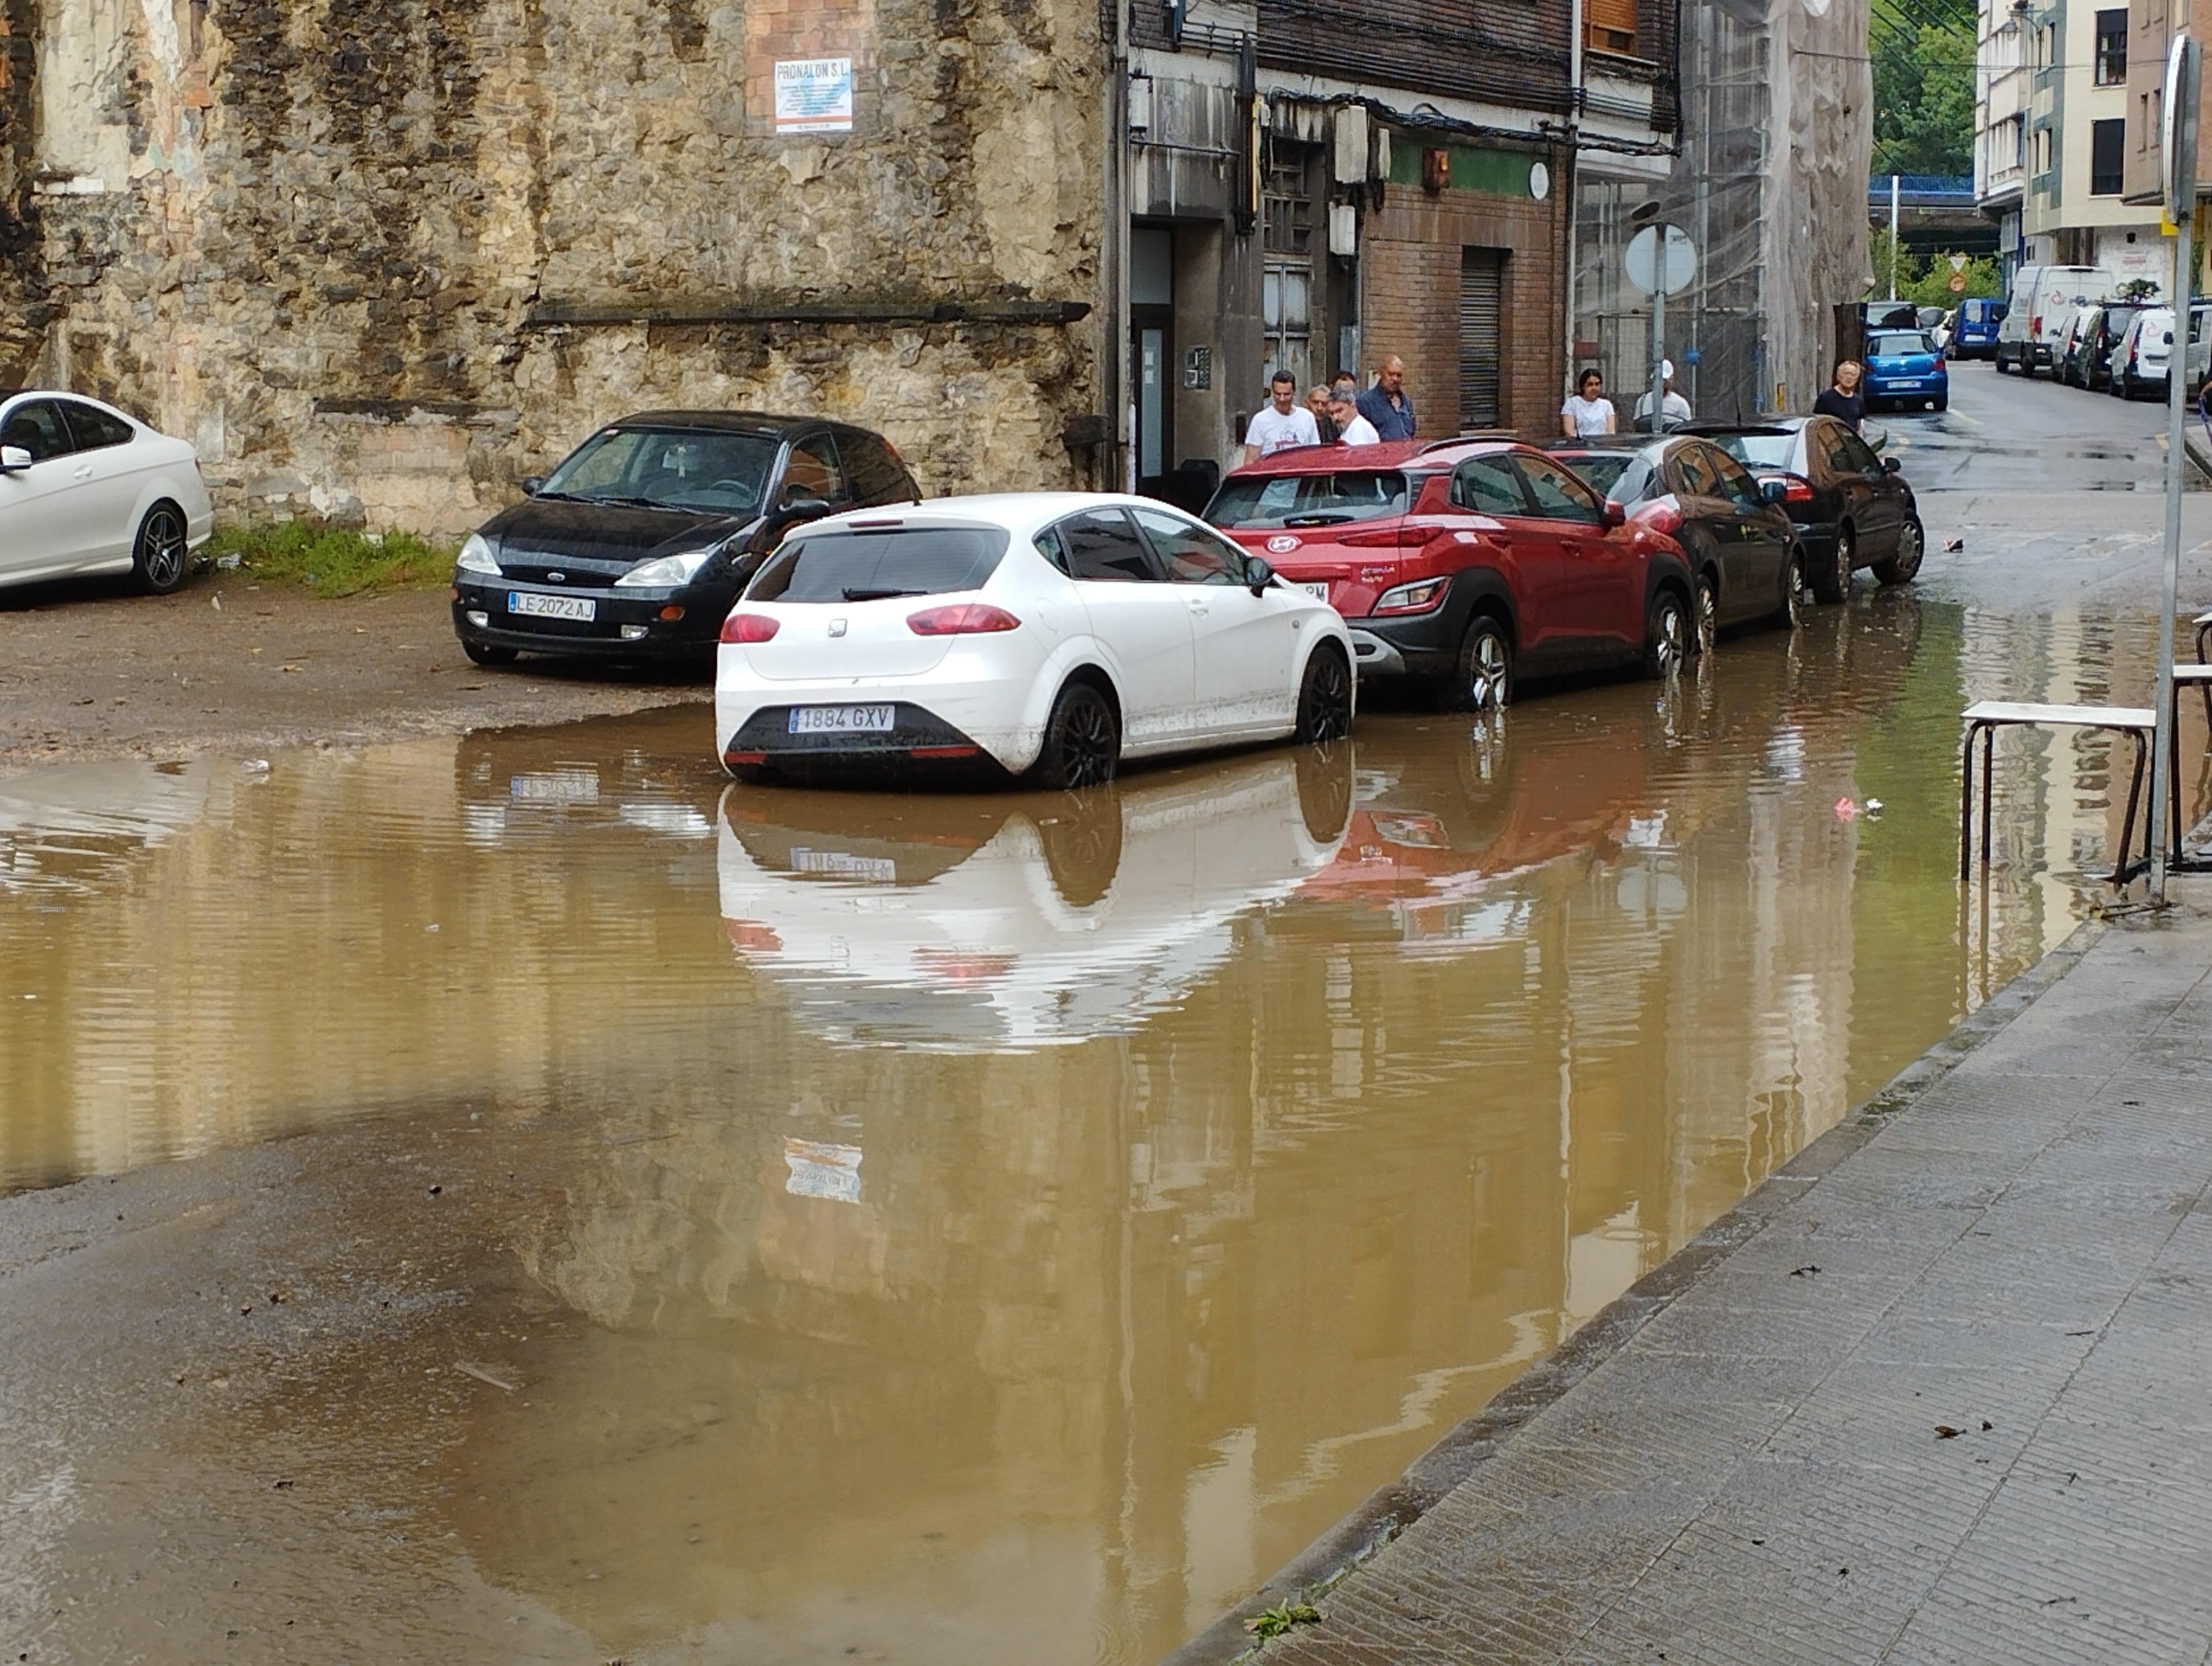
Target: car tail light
{"points": [[1416, 598], [1661, 514], [1391, 535], [750, 628], [1793, 489], [961, 619]]}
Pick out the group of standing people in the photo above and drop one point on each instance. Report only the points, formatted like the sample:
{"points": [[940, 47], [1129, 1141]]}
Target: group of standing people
{"points": [[1334, 413], [1338, 413]]}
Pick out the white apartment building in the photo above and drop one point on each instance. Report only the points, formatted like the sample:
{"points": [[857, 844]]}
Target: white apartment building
{"points": [[2050, 137]]}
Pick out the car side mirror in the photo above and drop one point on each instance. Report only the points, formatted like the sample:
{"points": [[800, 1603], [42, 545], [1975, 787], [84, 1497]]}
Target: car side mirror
{"points": [[1258, 574], [1774, 491], [1891, 465], [1612, 516], [781, 521], [14, 459], [533, 485]]}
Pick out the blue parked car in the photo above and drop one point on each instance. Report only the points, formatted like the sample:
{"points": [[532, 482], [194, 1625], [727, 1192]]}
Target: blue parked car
{"points": [[1974, 330], [1903, 368]]}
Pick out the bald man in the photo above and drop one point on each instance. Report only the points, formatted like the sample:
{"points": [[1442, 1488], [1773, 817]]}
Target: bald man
{"points": [[1386, 404]]}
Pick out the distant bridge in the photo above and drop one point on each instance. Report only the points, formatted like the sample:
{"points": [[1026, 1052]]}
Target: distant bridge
{"points": [[1936, 213]]}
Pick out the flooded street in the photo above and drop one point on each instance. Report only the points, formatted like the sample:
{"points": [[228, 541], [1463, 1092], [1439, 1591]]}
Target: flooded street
{"points": [[960, 1228]]}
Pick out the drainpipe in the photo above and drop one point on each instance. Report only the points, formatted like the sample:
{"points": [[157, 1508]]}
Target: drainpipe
{"points": [[1572, 186], [1117, 454]]}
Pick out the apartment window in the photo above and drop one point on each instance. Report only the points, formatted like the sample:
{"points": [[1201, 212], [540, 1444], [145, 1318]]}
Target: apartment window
{"points": [[2038, 149], [2106, 140], [2112, 47], [1609, 26]]}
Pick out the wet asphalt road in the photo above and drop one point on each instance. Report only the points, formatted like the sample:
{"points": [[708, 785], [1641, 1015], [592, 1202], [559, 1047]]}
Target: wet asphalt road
{"points": [[562, 1208]]}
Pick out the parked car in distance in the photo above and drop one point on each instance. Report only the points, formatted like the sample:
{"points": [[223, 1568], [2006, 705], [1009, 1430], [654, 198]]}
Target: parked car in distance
{"points": [[1742, 548], [639, 541], [2140, 356], [2112, 320], [1851, 508], [2071, 364], [1465, 563], [2044, 299], [87, 488], [1049, 634], [1903, 368], [1974, 328]]}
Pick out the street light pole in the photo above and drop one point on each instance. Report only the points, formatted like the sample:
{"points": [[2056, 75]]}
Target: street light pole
{"points": [[2180, 137], [1893, 237]]}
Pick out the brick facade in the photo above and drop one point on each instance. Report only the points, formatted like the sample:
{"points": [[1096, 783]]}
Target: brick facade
{"points": [[1410, 286]]}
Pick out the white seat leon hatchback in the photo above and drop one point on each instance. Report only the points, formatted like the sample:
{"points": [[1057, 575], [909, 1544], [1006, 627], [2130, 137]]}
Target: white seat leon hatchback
{"points": [[1047, 634], [87, 488]]}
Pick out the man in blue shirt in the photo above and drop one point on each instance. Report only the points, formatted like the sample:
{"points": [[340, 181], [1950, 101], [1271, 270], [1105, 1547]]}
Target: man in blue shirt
{"points": [[1385, 404]]}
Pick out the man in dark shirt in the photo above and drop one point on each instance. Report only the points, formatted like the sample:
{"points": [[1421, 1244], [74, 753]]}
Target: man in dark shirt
{"points": [[1385, 404], [1844, 401]]}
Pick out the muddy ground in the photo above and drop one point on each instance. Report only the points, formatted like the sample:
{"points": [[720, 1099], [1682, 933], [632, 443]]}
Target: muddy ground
{"points": [[93, 671]]}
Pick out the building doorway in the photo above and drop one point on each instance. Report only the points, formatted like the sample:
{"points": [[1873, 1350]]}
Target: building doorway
{"points": [[1151, 350], [1482, 305]]}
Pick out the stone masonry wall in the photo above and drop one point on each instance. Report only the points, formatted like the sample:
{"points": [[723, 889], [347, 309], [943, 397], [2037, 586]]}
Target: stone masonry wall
{"points": [[381, 261]]}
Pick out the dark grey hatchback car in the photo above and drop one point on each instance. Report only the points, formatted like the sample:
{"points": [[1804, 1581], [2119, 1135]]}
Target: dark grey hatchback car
{"points": [[636, 546]]}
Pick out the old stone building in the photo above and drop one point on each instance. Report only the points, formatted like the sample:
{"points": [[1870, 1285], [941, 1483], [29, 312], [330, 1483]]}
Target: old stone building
{"points": [[384, 260]]}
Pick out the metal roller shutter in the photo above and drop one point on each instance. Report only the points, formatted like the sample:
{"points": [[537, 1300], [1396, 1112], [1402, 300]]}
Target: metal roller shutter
{"points": [[1481, 291]]}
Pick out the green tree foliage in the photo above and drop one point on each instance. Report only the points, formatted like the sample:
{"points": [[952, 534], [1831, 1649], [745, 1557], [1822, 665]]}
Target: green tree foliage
{"points": [[1925, 280], [1924, 95]]}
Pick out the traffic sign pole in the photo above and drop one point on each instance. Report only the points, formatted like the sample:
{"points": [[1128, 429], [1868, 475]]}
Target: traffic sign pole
{"points": [[2180, 160]]}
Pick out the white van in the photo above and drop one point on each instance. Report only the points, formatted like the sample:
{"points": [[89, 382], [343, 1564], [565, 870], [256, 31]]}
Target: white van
{"points": [[2044, 300]]}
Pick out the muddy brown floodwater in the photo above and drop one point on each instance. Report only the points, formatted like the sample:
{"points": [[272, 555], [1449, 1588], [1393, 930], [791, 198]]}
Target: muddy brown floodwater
{"points": [[678, 1222]]}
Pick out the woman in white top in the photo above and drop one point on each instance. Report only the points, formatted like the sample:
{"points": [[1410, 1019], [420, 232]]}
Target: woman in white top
{"points": [[1588, 411]]}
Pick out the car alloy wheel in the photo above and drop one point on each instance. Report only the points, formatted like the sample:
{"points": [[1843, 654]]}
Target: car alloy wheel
{"points": [[1708, 618], [1797, 592], [158, 557], [1911, 544], [1082, 740], [1325, 697], [1485, 682], [1666, 636], [1835, 584]]}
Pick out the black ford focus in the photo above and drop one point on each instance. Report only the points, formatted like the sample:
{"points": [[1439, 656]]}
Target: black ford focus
{"points": [[637, 545]]}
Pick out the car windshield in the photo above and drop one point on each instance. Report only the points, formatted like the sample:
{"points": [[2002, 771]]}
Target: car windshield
{"points": [[1761, 451], [1308, 500], [1891, 343], [668, 468], [872, 565], [1600, 468]]}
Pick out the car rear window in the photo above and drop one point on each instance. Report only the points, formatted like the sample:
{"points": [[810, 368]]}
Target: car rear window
{"points": [[1891, 343], [1308, 500], [870, 565], [1761, 451], [1602, 469]]}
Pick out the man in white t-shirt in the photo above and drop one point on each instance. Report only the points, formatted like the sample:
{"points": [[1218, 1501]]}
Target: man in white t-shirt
{"points": [[1352, 428], [1282, 422], [1677, 408]]}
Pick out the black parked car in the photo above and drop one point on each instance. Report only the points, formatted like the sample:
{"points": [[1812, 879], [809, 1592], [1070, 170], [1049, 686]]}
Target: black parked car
{"points": [[638, 543], [1742, 551], [1851, 508]]}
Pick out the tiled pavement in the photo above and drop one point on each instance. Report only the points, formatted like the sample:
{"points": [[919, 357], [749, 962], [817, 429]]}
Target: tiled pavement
{"points": [[1754, 1468]]}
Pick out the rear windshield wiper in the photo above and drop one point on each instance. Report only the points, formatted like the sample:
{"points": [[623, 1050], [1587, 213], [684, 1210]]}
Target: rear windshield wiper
{"points": [[861, 593], [1333, 519]]}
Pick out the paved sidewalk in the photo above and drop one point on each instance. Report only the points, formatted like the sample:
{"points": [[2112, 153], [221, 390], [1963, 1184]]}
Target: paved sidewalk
{"points": [[1939, 1391]]}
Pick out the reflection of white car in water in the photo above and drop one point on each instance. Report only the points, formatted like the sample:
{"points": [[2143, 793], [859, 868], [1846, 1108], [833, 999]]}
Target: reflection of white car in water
{"points": [[966, 923]]}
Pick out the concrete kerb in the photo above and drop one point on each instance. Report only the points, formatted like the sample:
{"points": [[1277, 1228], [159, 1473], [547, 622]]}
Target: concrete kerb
{"points": [[1388, 1512]]}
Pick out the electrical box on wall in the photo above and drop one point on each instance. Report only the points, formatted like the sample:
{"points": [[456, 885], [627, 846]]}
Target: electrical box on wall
{"points": [[1198, 368], [1436, 170], [1343, 229]]}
